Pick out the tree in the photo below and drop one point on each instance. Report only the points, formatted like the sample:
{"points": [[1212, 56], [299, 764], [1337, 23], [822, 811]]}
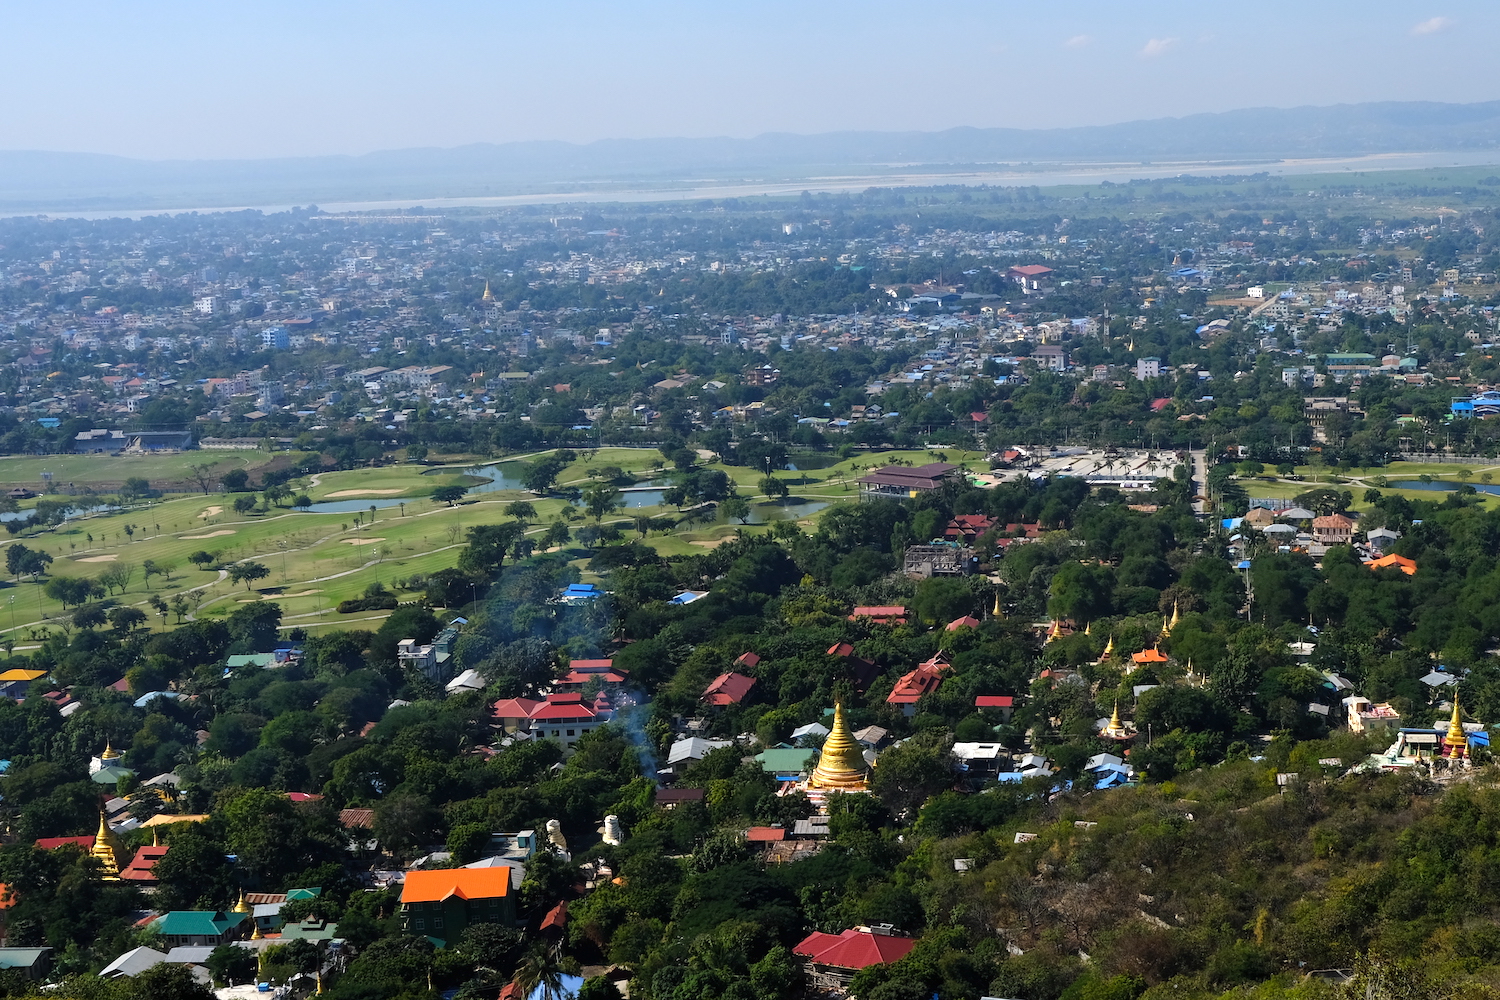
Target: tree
{"points": [[160, 607], [736, 507], [135, 488], [275, 493], [248, 572], [21, 561], [540, 968], [774, 488], [72, 590], [126, 620], [116, 576], [244, 504], [202, 474], [488, 547], [180, 607], [449, 495], [601, 499], [302, 501], [557, 534], [942, 599], [912, 772], [522, 510], [235, 481], [416, 453], [202, 559], [150, 568], [230, 963], [540, 475]]}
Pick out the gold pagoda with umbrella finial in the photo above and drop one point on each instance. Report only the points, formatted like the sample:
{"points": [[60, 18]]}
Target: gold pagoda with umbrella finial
{"points": [[1455, 744], [995, 612], [841, 765], [107, 849], [488, 296], [1109, 649], [1116, 730]]}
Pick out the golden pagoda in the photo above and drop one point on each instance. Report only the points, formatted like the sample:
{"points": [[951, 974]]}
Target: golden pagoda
{"points": [[1088, 629], [1116, 729], [841, 766], [995, 612], [241, 906], [110, 753], [1109, 649], [1169, 624], [1455, 744], [487, 296], [1055, 632], [107, 850]]}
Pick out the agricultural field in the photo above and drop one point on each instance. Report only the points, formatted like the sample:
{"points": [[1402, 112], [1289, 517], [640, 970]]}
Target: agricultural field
{"points": [[318, 558]]}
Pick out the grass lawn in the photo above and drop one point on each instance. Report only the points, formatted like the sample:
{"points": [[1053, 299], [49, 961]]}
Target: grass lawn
{"points": [[318, 559], [85, 470]]}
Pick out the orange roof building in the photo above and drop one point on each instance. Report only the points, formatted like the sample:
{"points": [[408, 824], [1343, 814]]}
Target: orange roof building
{"points": [[1152, 655], [440, 904], [1405, 565]]}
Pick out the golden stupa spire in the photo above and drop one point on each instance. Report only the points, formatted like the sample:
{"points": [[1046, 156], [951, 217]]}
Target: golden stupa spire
{"points": [[241, 906], [110, 753], [1116, 728], [1088, 629], [1176, 615], [1455, 744], [106, 849], [995, 611], [487, 296], [1109, 649], [841, 765], [1055, 632]]}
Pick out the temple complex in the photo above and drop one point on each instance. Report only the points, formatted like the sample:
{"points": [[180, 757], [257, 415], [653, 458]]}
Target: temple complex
{"points": [[841, 766]]}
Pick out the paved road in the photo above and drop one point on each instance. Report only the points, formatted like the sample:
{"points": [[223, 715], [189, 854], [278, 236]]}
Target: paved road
{"points": [[1200, 481]]}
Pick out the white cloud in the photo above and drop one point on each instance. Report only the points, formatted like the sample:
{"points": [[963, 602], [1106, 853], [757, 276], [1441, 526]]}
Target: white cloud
{"points": [[1157, 46], [1432, 25], [1078, 41]]}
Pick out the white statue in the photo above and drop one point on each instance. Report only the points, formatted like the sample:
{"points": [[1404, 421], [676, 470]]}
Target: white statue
{"points": [[556, 839], [613, 833]]}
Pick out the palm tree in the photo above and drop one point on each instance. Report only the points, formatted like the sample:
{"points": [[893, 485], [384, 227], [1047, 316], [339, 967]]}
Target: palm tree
{"points": [[540, 967]]}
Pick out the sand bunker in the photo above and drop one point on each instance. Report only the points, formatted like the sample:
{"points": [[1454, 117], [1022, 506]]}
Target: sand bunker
{"points": [[714, 543], [211, 534], [109, 558], [362, 541], [210, 512], [364, 493], [302, 593]]}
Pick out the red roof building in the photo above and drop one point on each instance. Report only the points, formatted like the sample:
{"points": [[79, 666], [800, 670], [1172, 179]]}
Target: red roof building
{"points": [[967, 527], [994, 701], [139, 870], [881, 614], [967, 621], [580, 672], [903, 481], [834, 958], [747, 660], [53, 843], [728, 689], [862, 671], [765, 834], [913, 685]]}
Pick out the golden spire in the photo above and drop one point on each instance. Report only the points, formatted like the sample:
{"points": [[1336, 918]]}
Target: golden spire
{"points": [[106, 849], [1055, 632], [1116, 728], [1088, 629], [241, 906], [1455, 744], [995, 611], [1109, 649], [487, 297], [110, 753], [841, 765], [1166, 627], [1176, 616]]}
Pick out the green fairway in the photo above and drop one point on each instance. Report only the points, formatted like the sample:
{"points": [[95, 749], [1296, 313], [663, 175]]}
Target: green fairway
{"points": [[316, 560], [111, 470]]}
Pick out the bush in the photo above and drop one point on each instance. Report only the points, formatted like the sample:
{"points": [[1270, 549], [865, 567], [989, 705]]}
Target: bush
{"points": [[380, 602]]}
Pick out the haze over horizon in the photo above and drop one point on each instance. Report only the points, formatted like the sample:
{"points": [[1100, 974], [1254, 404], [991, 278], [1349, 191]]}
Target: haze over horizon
{"points": [[181, 81]]}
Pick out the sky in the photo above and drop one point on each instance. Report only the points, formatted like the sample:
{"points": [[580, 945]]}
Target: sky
{"points": [[201, 80]]}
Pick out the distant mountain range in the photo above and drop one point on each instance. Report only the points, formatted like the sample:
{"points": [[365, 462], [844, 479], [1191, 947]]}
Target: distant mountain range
{"points": [[57, 182]]}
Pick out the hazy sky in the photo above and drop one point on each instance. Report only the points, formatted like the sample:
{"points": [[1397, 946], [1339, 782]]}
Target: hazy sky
{"points": [[204, 79]]}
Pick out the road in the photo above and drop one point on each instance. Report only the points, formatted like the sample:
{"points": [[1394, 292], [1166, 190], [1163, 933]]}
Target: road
{"points": [[1200, 482]]}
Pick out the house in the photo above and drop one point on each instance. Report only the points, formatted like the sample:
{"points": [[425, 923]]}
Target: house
{"points": [[912, 685], [1031, 277], [133, 963], [1003, 703], [967, 621], [439, 904], [671, 798], [882, 614], [979, 761], [1405, 565], [905, 482], [862, 671], [833, 959], [693, 749], [1367, 717], [966, 528], [564, 716], [1332, 529], [31, 963], [202, 927], [514, 714], [140, 869], [581, 672], [728, 689]]}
